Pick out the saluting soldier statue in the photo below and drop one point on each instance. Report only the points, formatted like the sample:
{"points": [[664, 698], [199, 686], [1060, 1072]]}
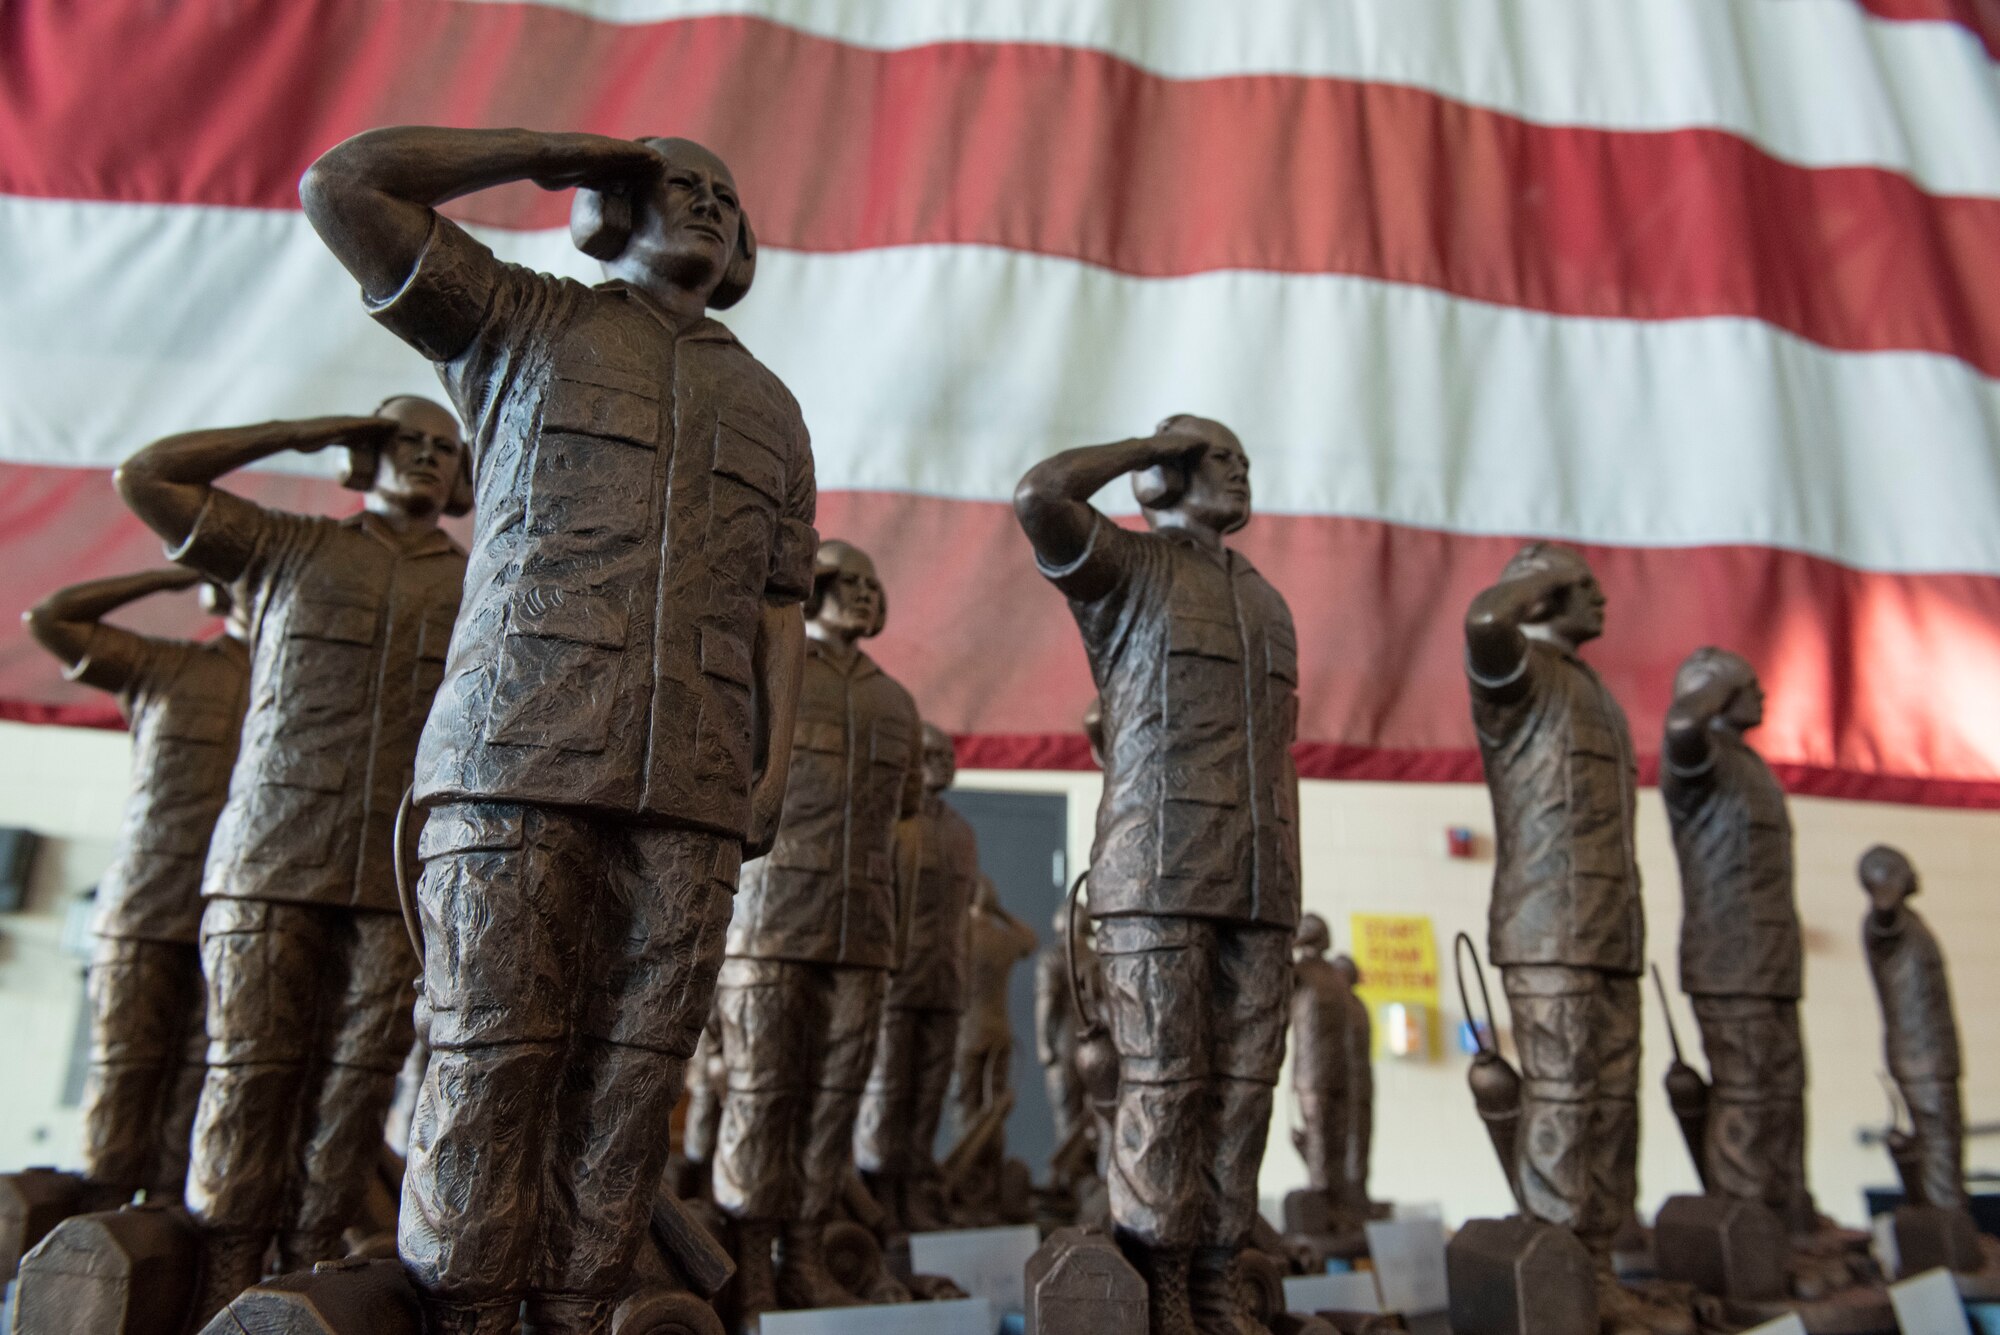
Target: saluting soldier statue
{"points": [[1566, 925], [810, 949], [302, 940], [1741, 960], [614, 727], [185, 704], [984, 1056], [1194, 877], [937, 865], [1331, 1078]]}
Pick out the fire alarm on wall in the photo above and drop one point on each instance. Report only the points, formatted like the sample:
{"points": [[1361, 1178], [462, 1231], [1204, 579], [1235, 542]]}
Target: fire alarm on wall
{"points": [[1460, 841]]}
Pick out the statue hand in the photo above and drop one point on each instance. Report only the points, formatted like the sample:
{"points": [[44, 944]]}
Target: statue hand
{"points": [[595, 161]]}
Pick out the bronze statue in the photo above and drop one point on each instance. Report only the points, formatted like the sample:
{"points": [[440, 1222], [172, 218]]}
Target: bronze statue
{"points": [[1194, 878], [983, 1056], [1742, 963], [302, 940], [1056, 1028], [937, 864], [185, 704], [1919, 1028], [1333, 1081], [706, 1081], [614, 729], [810, 949], [1566, 926]]}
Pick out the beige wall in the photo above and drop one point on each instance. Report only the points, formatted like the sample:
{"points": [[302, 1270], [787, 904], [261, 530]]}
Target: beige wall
{"points": [[1367, 847]]}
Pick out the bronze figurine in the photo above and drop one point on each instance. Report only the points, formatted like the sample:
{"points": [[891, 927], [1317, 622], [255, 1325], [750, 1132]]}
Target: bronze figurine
{"points": [[1333, 1081], [1919, 1028], [613, 730], [1194, 878], [983, 1056], [1566, 925], [302, 940], [1741, 960], [185, 704], [810, 949], [1057, 1028], [937, 865]]}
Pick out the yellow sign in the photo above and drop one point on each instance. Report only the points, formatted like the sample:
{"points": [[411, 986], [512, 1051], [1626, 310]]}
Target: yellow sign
{"points": [[1396, 954]]}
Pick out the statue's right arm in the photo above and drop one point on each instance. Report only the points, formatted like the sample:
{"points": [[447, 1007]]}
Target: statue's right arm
{"points": [[1690, 739], [168, 483], [67, 622], [1495, 646], [373, 198], [1052, 501]]}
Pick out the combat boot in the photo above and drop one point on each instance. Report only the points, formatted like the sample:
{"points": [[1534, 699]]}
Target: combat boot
{"points": [[471, 1318], [756, 1293], [1214, 1297], [230, 1263], [803, 1279], [1625, 1311], [1166, 1272], [300, 1250]]}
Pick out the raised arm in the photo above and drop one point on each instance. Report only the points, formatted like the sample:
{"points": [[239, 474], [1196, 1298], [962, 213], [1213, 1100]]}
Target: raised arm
{"points": [[373, 198], [1690, 739], [168, 482], [1052, 501], [1495, 645], [67, 622]]}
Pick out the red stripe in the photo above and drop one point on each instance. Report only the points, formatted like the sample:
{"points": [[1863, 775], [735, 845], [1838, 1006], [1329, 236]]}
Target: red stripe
{"points": [[1979, 17], [1880, 685], [1053, 150]]}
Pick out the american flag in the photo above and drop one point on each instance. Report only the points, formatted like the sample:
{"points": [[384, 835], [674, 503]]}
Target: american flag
{"points": [[1706, 286]]}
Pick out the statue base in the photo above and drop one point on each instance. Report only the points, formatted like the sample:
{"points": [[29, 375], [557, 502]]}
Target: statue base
{"points": [[1312, 1219], [35, 1200], [1739, 1255], [351, 1297], [1520, 1277], [1079, 1283], [129, 1271]]}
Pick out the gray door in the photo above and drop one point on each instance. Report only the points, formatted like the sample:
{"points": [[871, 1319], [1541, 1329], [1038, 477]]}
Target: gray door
{"points": [[1023, 840]]}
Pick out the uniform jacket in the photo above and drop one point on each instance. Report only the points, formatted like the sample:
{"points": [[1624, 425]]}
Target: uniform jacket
{"points": [[1919, 1028], [937, 866]]}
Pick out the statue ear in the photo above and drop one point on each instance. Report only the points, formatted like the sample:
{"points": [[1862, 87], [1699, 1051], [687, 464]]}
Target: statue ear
{"points": [[881, 614], [600, 222], [742, 268], [362, 463], [461, 487]]}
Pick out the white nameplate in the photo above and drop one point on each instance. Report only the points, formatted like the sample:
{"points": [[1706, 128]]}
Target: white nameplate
{"points": [[1928, 1304], [1788, 1324], [1348, 1291], [960, 1316], [987, 1263], [1416, 1210], [1409, 1264]]}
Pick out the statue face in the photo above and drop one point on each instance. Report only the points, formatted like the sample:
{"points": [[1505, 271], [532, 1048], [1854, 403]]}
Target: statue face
{"points": [[851, 605], [1746, 707], [686, 229], [1578, 614], [1888, 878], [1218, 486], [940, 760], [419, 466]]}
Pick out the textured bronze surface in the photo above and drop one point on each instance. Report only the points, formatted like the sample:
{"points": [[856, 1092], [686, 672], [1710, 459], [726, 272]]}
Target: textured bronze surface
{"points": [[811, 945], [614, 725], [184, 703], [937, 865], [308, 968], [984, 1060], [1333, 1078], [1194, 875], [1566, 926]]}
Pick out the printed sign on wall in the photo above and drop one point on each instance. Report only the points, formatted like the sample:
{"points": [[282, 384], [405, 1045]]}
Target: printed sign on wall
{"points": [[1397, 956]]}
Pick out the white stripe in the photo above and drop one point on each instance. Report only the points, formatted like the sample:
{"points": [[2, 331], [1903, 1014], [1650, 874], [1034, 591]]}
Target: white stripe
{"points": [[948, 370], [1817, 82]]}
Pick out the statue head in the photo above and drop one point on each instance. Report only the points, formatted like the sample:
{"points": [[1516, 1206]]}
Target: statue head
{"points": [[422, 470], [683, 228], [940, 760], [1888, 878], [1312, 939], [1211, 490], [847, 602], [1348, 971], [1575, 608], [1706, 666]]}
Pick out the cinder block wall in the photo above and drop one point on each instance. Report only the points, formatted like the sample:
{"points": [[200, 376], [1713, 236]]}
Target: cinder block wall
{"points": [[1367, 848]]}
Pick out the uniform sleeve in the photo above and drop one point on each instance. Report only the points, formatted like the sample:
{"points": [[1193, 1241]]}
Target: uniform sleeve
{"points": [[115, 660], [792, 562], [1501, 708], [236, 541], [479, 318], [913, 775], [1101, 568]]}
